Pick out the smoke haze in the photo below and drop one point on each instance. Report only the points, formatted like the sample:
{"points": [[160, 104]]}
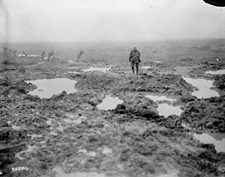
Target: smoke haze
{"points": [[109, 20]]}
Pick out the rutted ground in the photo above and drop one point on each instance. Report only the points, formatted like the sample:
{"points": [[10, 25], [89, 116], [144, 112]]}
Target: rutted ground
{"points": [[206, 114], [68, 133]]}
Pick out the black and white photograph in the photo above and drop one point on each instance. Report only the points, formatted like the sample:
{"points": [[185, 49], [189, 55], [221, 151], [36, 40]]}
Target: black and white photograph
{"points": [[112, 88]]}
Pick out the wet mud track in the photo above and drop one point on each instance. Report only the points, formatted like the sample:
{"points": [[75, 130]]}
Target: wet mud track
{"points": [[67, 134]]}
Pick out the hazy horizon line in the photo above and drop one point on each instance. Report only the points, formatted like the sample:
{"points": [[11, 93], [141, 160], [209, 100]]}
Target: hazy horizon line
{"points": [[117, 41]]}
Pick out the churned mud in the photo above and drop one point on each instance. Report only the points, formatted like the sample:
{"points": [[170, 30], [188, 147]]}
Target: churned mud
{"points": [[108, 122]]}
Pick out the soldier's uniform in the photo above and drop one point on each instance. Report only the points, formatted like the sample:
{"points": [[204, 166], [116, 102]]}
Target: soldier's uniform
{"points": [[135, 59]]}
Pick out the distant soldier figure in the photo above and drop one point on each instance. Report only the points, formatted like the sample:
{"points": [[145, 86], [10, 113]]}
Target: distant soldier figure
{"points": [[135, 59]]}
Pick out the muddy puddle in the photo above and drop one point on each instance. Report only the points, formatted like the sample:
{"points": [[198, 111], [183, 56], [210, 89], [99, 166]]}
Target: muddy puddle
{"points": [[146, 67], [74, 72], [204, 88], [160, 97], [222, 71], [165, 109], [49, 87], [71, 61], [217, 139], [109, 103], [97, 69]]}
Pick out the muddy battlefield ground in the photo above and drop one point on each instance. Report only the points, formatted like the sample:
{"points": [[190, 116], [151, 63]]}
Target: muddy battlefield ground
{"points": [[68, 134]]}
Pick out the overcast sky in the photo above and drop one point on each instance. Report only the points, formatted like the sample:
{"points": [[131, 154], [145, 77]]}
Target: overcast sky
{"points": [[106, 20]]}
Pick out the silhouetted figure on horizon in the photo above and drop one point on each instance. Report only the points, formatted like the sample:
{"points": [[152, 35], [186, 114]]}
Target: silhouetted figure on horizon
{"points": [[134, 58], [79, 55]]}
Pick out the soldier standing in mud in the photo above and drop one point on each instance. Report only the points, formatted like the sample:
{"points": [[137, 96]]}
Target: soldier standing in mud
{"points": [[135, 59]]}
